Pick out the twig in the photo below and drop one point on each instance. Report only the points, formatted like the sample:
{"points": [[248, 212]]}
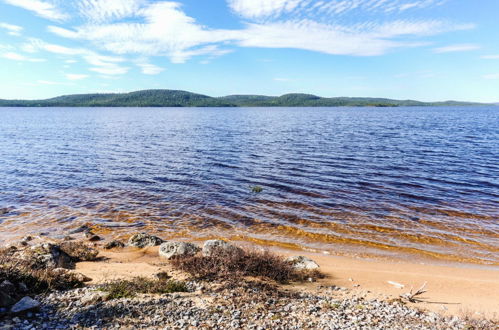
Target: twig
{"points": [[413, 296]]}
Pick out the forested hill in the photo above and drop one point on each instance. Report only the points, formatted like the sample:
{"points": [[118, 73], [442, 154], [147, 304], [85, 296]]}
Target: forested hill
{"points": [[173, 98]]}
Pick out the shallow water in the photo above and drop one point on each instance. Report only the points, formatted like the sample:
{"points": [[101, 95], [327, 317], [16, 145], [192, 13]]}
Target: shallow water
{"points": [[422, 181]]}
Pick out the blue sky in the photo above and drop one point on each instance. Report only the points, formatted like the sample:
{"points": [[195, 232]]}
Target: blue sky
{"points": [[418, 49]]}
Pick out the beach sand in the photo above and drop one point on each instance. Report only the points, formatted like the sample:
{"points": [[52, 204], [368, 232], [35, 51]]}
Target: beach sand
{"points": [[452, 290]]}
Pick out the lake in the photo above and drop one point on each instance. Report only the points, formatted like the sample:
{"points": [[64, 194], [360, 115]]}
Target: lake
{"points": [[403, 182]]}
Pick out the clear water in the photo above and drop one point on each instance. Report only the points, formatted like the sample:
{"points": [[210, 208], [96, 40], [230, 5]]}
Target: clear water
{"points": [[417, 181]]}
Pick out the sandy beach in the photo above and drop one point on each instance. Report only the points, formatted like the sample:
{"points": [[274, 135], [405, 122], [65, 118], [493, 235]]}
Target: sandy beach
{"points": [[452, 290]]}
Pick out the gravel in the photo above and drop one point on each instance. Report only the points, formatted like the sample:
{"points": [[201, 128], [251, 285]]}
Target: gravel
{"points": [[242, 305]]}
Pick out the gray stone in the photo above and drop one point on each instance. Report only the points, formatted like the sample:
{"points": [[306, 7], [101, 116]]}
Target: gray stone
{"points": [[302, 263], [171, 250], [25, 305], [212, 247], [8, 287], [47, 256], [114, 244], [143, 240]]}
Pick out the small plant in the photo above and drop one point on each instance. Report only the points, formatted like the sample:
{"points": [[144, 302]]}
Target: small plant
{"points": [[237, 263], [130, 288], [256, 189]]}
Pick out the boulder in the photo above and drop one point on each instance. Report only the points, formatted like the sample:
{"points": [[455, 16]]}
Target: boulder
{"points": [[171, 250], [143, 240], [71, 275], [114, 244], [47, 256], [302, 263], [213, 247], [26, 304]]}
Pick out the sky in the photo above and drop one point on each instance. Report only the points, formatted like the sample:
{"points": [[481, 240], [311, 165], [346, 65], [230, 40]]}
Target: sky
{"points": [[427, 50]]}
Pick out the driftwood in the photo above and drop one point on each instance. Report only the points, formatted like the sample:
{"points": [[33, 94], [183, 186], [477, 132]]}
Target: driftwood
{"points": [[414, 296]]}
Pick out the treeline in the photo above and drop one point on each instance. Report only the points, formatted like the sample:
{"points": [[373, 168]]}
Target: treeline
{"points": [[173, 98]]}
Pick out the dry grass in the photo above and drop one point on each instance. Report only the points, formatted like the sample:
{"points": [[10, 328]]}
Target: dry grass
{"points": [[36, 280], [130, 288], [79, 251], [235, 264]]}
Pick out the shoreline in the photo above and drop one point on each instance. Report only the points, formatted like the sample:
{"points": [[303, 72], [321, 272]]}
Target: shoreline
{"points": [[452, 290]]}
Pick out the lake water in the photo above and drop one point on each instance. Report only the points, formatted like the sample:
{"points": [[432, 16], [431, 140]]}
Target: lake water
{"points": [[383, 181]]}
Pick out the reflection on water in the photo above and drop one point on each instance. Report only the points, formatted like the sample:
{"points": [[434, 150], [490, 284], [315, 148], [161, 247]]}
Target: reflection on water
{"points": [[414, 180]]}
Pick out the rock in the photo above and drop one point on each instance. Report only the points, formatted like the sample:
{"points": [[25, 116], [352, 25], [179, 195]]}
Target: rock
{"points": [[143, 240], [72, 275], [6, 299], [171, 250], [22, 287], [25, 305], [47, 256], [162, 276], [302, 263], [212, 247], [7, 287], [81, 229], [114, 244], [93, 298], [93, 238]]}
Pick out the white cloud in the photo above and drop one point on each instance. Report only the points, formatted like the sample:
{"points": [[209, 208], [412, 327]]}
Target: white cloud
{"points": [[106, 10], [179, 37], [19, 57], [149, 69], [456, 48], [74, 76], [111, 70], [490, 57], [100, 63], [492, 76], [13, 30], [262, 8], [43, 9], [368, 39]]}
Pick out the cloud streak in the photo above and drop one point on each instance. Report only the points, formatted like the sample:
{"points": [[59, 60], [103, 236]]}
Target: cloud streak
{"points": [[41, 8]]}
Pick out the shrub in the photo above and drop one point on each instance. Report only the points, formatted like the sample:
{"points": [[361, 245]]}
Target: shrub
{"points": [[237, 263], [79, 251]]}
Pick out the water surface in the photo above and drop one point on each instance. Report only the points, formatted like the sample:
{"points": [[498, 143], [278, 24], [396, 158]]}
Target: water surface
{"points": [[417, 181]]}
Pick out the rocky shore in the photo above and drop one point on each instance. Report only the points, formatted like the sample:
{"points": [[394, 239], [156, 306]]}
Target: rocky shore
{"points": [[221, 286]]}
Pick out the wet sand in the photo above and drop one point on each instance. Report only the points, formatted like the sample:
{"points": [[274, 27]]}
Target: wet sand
{"points": [[452, 290]]}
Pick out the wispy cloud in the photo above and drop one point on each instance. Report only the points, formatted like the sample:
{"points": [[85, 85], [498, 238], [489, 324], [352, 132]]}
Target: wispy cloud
{"points": [[491, 76], [13, 30], [104, 64], [490, 57], [263, 8], [19, 57], [149, 69], [456, 48], [41, 8], [106, 10]]}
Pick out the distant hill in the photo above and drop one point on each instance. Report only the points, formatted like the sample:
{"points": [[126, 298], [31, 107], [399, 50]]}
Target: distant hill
{"points": [[173, 98]]}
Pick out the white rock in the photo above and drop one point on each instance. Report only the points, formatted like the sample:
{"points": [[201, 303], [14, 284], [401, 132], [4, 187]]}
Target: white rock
{"points": [[24, 305], [212, 246], [171, 250], [302, 263]]}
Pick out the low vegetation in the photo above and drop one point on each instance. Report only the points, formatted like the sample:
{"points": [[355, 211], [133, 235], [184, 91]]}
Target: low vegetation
{"points": [[237, 263], [130, 288], [34, 280], [79, 251]]}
